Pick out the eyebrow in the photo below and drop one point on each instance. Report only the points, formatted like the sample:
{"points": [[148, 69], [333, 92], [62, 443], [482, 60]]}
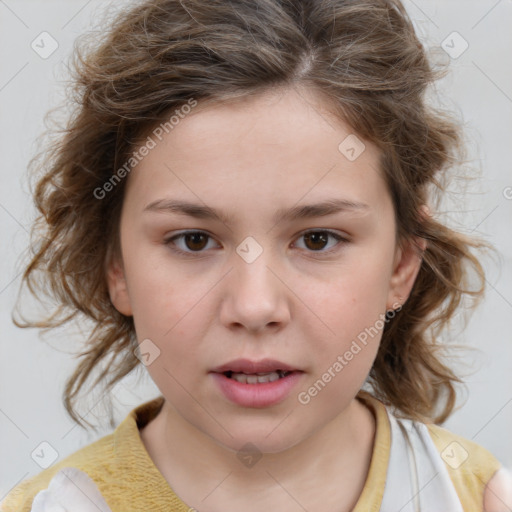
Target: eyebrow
{"points": [[322, 209]]}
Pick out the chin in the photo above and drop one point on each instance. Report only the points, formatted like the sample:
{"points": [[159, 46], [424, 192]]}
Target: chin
{"points": [[266, 438]]}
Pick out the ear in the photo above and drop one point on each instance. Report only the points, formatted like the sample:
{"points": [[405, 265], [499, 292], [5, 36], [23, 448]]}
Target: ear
{"points": [[117, 287], [406, 265]]}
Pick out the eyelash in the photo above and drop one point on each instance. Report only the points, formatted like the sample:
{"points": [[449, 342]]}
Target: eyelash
{"points": [[170, 241]]}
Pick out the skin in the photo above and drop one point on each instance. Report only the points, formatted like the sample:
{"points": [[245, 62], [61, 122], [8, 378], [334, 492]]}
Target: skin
{"points": [[294, 303], [498, 492]]}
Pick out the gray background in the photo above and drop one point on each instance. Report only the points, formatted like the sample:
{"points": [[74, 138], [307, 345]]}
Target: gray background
{"points": [[33, 370]]}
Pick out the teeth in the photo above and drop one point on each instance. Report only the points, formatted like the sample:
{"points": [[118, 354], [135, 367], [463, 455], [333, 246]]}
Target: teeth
{"points": [[258, 378]]}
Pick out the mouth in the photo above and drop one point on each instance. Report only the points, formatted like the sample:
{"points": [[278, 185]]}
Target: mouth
{"points": [[256, 378], [256, 384], [247, 371]]}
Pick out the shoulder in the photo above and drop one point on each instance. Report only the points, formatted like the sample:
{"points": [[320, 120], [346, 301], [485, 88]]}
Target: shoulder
{"points": [[498, 492], [117, 463], [94, 459], [471, 467], [118, 453]]}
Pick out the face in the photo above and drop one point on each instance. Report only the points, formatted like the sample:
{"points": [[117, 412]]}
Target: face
{"points": [[264, 278]]}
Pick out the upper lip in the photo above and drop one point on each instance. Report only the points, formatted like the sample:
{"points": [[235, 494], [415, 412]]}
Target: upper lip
{"points": [[249, 367]]}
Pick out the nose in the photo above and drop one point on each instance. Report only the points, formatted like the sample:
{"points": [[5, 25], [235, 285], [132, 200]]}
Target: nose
{"points": [[255, 296]]}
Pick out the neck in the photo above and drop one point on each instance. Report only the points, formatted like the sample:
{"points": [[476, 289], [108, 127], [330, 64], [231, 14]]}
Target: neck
{"points": [[194, 464]]}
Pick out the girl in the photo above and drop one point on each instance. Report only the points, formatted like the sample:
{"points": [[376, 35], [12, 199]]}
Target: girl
{"points": [[242, 203]]}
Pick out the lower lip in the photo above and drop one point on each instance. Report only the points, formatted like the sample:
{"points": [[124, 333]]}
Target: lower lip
{"points": [[257, 395]]}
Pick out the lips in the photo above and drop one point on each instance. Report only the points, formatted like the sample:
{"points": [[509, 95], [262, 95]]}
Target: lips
{"points": [[253, 367], [256, 384]]}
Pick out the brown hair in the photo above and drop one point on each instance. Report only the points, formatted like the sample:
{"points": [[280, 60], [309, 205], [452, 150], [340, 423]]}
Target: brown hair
{"points": [[362, 56]]}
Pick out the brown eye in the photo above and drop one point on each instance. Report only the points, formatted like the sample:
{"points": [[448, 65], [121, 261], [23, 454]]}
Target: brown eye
{"points": [[190, 242], [318, 240], [195, 241]]}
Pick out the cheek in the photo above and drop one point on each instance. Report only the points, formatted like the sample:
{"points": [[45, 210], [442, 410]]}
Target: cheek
{"points": [[351, 300], [156, 294], [171, 308], [349, 311], [354, 319], [164, 307]]}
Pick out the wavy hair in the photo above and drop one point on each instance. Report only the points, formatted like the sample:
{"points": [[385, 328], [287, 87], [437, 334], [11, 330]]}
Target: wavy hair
{"points": [[362, 56]]}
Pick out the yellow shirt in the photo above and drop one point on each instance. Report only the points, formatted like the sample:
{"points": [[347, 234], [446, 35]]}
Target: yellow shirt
{"points": [[130, 482]]}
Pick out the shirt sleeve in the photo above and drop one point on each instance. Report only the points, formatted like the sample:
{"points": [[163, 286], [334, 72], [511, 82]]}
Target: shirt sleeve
{"points": [[469, 465]]}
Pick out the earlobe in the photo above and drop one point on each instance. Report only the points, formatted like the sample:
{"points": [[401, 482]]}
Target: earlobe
{"points": [[117, 288]]}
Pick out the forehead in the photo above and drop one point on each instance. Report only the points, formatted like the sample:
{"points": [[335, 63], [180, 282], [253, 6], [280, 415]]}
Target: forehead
{"points": [[271, 149]]}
